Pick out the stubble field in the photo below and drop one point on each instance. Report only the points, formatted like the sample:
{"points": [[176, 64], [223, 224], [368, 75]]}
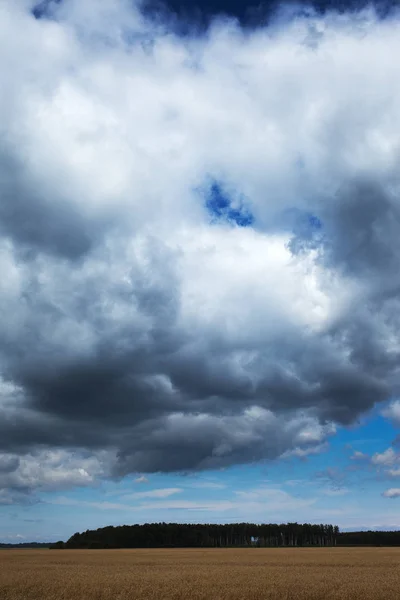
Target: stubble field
{"points": [[217, 574]]}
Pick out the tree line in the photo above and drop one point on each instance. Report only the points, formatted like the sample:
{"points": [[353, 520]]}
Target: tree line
{"points": [[25, 545], [369, 538], [178, 535], [169, 535]]}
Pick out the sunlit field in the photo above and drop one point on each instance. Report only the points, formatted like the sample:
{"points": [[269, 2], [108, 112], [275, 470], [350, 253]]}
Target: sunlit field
{"points": [[193, 574]]}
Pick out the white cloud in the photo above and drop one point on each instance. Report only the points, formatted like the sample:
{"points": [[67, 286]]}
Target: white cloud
{"points": [[273, 498], [391, 493], [357, 455], [304, 452], [394, 472], [392, 412], [191, 505], [385, 459], [48, 471], [141, 479], [159, 493], [208, 485]]}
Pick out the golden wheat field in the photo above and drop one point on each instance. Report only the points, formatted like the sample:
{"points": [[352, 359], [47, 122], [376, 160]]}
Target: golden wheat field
{"points": [[217, 574]]}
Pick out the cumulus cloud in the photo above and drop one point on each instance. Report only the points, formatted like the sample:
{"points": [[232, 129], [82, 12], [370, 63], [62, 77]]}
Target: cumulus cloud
{"points": [[385, 464], [47, 471], [392, 412], [394, 472], [391, 493], [304, 452], [385, 459], [199, 238], [357, 455]]}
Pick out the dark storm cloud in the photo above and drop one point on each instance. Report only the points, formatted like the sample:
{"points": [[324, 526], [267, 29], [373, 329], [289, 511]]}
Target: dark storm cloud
{"points": [[30, 216], [8, 464], [363, 228], [137, 332], [200, 13]]}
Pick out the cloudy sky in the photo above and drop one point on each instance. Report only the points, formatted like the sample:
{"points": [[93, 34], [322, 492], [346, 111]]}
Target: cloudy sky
{"points": [[199, 258]]}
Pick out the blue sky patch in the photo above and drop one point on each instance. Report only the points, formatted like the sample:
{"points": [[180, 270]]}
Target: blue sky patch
{"points": [[222, 207], [44, 9]]}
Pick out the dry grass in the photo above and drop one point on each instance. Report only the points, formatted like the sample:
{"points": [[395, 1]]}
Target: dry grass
{"points": [[225, 574]]}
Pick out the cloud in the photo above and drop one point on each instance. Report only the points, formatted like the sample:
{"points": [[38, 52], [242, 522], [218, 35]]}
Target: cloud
{"points": [[198, 239], [384, 465], [391, 493], [385, 459], [103, 505], [238, 505], [357, 455], [141, 479], [47, 471], [394, 472], [392, 412], [273, 498], [191, 505], [208, 485], [158, 505], [296, 482], [387, 462], [160, 493], [304, 452]]}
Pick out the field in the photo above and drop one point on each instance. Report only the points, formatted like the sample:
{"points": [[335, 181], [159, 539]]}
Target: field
{"points": [[220, 574]]}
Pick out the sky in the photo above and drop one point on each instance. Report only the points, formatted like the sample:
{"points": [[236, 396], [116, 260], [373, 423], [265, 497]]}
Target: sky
{"points": [[199, 250]]}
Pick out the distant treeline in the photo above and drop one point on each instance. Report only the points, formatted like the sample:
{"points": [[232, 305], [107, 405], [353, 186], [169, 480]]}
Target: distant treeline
{"points": [[369, 538], [26, 545], [177, 535]]}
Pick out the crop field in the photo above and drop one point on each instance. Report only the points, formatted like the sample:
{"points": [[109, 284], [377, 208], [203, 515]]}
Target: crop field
{"points": [[225, 574]]}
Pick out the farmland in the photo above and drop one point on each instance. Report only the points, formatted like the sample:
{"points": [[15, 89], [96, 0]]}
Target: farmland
{"points": [[218, 574]]}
